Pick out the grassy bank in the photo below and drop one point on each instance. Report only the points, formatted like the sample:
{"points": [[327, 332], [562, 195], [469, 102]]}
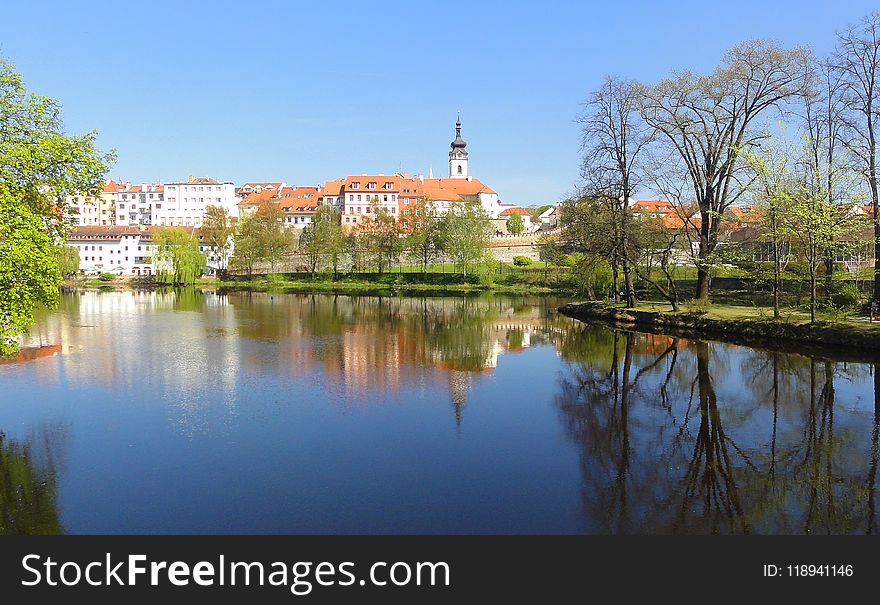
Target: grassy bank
{"points": [[385, 284], [738, 324]]}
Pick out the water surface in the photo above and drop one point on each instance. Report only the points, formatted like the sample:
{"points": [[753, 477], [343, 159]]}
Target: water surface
{"points": [[183, 412]]}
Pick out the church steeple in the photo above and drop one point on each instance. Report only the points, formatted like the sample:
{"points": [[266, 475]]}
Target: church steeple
{"points": [[458, 157]]}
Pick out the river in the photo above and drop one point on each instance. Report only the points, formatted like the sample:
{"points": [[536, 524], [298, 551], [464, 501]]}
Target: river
{"points": [[190, 412]]}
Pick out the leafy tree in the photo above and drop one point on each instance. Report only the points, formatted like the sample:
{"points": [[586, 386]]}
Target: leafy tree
{"points": [[216, 231], [29, 268], [382, 237], [177, 256], [248, 245], [772, 168], [276, 240], [424, 229], [465, 234], [39, 165], [515, 224], [819, 227], [323, 237], [68, 260]]}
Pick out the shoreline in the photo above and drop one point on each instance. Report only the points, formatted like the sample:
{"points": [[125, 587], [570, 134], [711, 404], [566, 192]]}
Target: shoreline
{"points": [[306, 285], [845, 340]]}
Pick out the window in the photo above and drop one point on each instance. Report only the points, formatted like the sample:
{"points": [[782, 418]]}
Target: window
{"points": [[359, 197], [388, 186], [459, 169], [368, 210], [350, 197], [384, 198], [371, 185], [356, 185]]}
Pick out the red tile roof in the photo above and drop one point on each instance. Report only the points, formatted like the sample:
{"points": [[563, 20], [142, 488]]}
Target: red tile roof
{"points": [[515, 210]]}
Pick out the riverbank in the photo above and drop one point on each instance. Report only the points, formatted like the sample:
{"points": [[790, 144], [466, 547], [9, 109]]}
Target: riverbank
{"points": [[385, 284], [739, 325]]}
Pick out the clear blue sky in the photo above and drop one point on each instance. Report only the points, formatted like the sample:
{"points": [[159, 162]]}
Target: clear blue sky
{"points": [[303, 92]]}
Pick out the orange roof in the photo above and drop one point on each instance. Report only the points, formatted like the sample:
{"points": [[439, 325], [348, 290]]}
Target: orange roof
{"points": [[299, 209], [262, 185], [515, 210], [334, 187], [256, 197], [111, 186], [451, 189], [653, 206], [299, 193]]}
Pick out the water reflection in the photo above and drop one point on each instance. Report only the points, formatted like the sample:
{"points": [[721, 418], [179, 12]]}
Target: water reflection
{"points": [[342, 414], [28, 488], [664, 450]]}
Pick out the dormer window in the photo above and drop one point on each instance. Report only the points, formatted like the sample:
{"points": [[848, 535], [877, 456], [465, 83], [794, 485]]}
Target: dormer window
{"points": [[388, 186], [356, 185], [371, 185]]}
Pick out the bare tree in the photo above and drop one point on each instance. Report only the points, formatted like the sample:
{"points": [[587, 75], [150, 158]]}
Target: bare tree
{"points": [[858, 58], [707, 119], [614, 137]]}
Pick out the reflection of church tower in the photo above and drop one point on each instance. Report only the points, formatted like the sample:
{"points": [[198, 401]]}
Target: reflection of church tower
{"points": [[458, 157], [459, 386]]}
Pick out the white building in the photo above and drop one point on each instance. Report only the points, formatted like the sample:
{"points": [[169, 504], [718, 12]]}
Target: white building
{"points": [[185, 203], [137, 204], [128, 250]]}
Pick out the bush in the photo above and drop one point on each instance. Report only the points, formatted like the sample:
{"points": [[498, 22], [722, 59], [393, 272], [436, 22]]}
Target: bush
{"points": [[847, 298], [522, 261], [565, 260], [106, 277]]}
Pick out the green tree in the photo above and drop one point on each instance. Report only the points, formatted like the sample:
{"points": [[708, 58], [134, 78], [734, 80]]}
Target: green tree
{"points": [[276, 240], [819, 227], [39, 165], [515, 224], [465, 234], [382, 237], [424, 228], [68, 260], [773, 179], [216, 231], [176, 256], [323, 237], [248, 245], [29, 268]]}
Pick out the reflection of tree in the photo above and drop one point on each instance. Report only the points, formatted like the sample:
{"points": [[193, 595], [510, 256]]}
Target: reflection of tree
{"points": [[875, 455], [710, 475], [28, 489], [776, 462]]}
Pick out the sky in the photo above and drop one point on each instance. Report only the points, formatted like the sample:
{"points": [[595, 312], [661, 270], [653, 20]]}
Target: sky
{"points": [[305, 92]]}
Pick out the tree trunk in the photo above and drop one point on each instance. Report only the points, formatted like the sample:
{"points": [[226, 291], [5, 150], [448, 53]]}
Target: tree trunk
{"points": [[702, 265], [829, 275], [812, 294], [628, 284]]}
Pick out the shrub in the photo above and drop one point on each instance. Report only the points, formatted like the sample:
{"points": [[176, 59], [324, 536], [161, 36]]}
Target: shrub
{"points": [[847, 298], [106, 277], [565, 260], [522, 261]]}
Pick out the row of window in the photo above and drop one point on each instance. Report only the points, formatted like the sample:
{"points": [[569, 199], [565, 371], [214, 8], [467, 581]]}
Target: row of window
{"points": [[195, 188], [367, 210], [374, 198], [372, 185]]}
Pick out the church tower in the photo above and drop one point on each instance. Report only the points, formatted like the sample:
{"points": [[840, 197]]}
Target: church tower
{"points": [[458, 157]]}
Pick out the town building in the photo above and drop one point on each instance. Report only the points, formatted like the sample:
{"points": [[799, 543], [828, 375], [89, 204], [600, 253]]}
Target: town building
{"points": [[95, 208], [137, 204], [128, 250], [185, 202]]}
